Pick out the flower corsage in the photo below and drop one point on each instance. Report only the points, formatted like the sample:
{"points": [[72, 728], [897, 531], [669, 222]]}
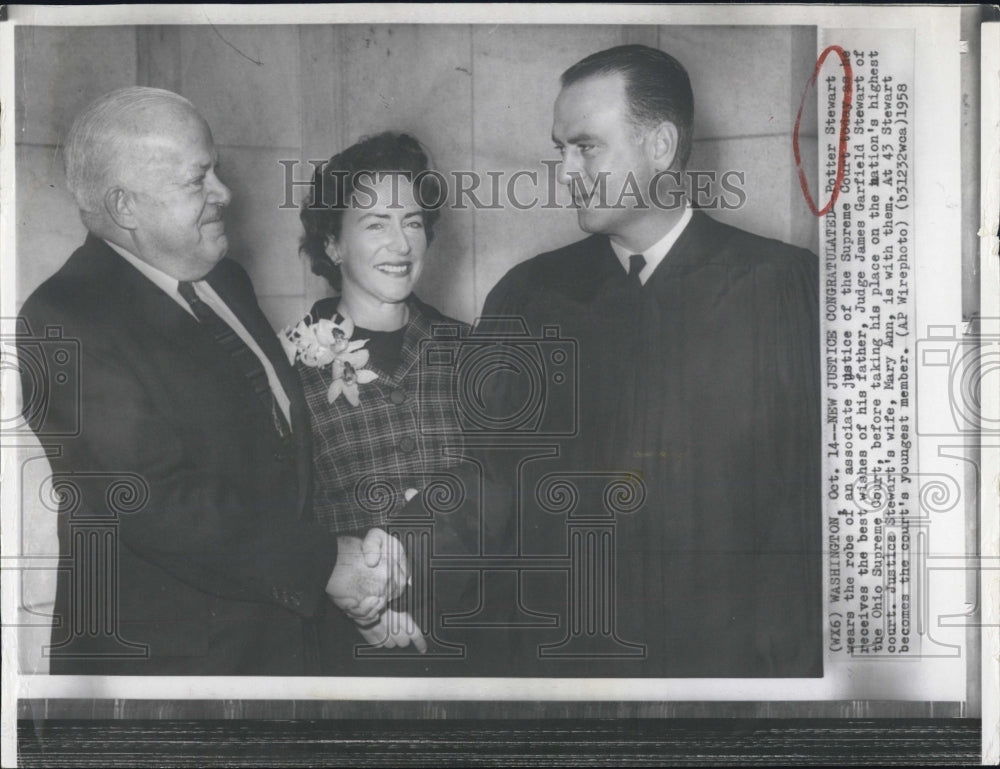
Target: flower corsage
{"points": [[327, 342]]}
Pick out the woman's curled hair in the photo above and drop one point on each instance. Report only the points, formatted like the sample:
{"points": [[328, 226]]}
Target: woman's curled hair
{"points": [[334, 184]]}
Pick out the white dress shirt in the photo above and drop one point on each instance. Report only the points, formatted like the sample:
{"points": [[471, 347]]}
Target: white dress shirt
{"points": [[656, 252], [207, 294]]}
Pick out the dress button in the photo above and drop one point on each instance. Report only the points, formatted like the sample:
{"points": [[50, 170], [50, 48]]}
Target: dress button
{"points": [[406, 444], [397, 396]]}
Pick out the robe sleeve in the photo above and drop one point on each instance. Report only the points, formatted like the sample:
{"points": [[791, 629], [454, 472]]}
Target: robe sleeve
{"points": [[787, 491]]}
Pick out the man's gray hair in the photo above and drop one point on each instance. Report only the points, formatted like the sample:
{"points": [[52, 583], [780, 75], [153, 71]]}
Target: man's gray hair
{"points": [[97, 142]]}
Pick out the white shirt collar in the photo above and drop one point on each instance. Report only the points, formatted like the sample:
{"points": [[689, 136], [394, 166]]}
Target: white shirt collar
{"points": [[159, 278], [657, 252]]}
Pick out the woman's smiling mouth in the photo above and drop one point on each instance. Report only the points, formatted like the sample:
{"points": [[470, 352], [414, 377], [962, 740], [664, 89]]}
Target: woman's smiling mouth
{"points": [[400, 269]]}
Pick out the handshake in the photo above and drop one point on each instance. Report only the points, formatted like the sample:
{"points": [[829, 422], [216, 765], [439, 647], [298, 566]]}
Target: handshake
{"points": [[368, 575]]}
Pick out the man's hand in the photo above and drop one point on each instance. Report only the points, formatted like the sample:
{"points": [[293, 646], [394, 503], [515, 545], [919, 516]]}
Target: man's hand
{"points": [[367, 575], [381, 547], [394, 629]]}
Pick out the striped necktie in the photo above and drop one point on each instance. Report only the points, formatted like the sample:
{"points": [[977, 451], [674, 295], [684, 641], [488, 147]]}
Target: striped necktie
{"points": [[635, 264], [246, 360]]}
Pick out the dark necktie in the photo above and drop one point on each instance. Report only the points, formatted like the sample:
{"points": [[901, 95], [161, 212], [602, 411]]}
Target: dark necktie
{"points": [[247, 362], [635, 264]]}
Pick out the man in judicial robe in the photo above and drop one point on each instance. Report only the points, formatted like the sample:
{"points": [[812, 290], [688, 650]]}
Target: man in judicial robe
{"points": [[181, 448], [698, 376]]}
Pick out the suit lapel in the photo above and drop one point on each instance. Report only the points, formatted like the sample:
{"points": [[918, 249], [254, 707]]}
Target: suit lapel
{"points": [[146, 302], [162, 315], [244, 305], [242, 301]]}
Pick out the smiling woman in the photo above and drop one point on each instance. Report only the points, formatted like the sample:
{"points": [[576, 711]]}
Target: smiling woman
{"points": [[381, 417], [380, 252]]}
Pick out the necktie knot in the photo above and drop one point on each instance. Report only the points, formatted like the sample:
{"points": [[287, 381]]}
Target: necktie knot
{"points": [[635, 264], [189, 295]]}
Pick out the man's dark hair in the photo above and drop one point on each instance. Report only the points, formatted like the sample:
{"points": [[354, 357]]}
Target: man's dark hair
{"points": [[656, 85], [335, 182]]}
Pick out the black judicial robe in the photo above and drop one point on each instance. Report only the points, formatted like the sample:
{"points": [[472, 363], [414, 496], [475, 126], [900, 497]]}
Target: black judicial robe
{"points": [[704, 383]]}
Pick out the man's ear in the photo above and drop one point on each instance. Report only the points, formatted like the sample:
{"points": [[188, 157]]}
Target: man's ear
{"points": [[662, 143], [119, 204]]}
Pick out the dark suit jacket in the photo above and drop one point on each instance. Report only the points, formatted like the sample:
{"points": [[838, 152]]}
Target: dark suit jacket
{"points": [[176, 466], [704, 385]]}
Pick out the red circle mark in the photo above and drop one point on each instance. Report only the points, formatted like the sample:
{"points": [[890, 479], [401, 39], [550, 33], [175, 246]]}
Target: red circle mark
{"points": [[845, 114]]}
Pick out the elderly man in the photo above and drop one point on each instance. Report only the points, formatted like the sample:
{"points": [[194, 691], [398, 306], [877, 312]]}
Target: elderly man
{"points": [[186, 397], [698, 377]]}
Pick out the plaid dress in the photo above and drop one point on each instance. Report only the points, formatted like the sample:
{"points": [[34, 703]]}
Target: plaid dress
{"points": [[366, 456]]}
